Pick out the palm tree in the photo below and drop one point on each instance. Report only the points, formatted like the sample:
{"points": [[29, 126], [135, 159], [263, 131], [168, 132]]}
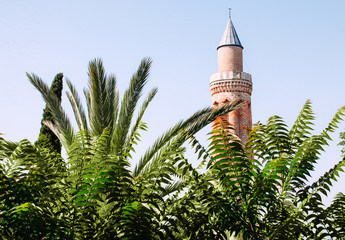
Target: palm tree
{"points": [[255, 192], [98, 196], [104, 111]]}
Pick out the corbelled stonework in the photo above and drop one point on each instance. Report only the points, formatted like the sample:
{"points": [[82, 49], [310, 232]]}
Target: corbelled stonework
{"points": [[230, 83], [223, 82]]}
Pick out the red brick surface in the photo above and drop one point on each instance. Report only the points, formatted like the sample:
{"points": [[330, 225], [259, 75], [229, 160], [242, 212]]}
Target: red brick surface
{"points": [[233, 88], [230, 59]]}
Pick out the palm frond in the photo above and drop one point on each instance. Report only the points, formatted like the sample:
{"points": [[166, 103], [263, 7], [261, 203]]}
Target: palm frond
{"points": [[61, 120], [77, 107], [134, 135], [128, 104], [113, 101], [100, 96], [54, 129], [182, 131]]}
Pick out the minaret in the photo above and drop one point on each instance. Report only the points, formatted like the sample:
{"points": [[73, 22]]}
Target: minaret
{"points": [[230, 83]]}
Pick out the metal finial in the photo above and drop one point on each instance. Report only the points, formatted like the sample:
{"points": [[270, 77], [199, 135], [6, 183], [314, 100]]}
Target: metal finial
{"points": [[229, 12]]}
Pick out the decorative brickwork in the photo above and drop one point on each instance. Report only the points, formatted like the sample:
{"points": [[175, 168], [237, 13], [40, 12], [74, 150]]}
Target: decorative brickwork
{"points": [[232, 84], [238, 86], [229, 87]]}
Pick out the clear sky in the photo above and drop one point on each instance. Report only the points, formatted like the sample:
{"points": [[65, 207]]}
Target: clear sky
{"points": [[294, 50]]}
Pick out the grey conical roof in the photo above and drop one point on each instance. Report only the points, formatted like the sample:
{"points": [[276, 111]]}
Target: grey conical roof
{"points": [[230, 37]]}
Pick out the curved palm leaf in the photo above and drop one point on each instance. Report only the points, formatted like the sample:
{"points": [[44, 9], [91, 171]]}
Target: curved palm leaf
{"points": [[61, 120], [181, 132], [128, 105], [77, 107]]}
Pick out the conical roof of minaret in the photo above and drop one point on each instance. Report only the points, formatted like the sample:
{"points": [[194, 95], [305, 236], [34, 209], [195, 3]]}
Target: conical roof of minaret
{"points": [[230, 37]]}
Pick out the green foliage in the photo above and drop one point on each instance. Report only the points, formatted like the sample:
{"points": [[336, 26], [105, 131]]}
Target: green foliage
{"points": [[257, 191], [47, 138], [93, 194], [266, 182], [336, 216], [29, 179]]}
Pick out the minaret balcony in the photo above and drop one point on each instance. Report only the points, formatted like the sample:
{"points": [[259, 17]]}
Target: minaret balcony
{"points": [[231, 82], [231, 75]]}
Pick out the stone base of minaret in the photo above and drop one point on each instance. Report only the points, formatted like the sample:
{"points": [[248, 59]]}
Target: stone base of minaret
{"points": [[234, 86]]}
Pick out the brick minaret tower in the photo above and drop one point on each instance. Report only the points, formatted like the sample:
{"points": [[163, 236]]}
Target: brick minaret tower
{"points": [[230, 83]]}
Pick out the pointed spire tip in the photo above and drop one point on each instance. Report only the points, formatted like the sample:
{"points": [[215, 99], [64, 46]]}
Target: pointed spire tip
{"points": [[230, 37]]}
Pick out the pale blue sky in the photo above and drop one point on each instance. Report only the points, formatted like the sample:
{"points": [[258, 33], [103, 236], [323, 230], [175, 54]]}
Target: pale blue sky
{"points": [[294, 50]]}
